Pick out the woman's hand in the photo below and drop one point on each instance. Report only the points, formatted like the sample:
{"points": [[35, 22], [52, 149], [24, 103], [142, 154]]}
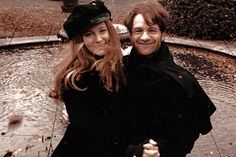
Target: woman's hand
{"points": [[150, 149]]}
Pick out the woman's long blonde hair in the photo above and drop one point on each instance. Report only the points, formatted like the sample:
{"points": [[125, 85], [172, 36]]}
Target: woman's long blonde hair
{"points": [[78, 60]]}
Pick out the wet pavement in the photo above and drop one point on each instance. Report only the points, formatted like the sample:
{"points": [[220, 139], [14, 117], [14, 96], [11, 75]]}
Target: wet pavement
{"points": [[32, 123], [27, 113]]}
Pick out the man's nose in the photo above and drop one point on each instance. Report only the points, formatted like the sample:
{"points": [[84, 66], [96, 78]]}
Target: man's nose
{"points": [[145, 36]]}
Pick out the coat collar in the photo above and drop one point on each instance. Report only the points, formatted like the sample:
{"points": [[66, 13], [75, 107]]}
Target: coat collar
{"points": [[161, 55]]}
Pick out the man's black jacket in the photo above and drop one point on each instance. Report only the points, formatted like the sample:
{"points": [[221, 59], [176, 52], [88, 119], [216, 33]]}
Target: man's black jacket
{"points": [[168, 104]]}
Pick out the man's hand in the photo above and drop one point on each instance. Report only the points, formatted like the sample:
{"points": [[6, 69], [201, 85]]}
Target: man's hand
{"points": [[150, 149]]}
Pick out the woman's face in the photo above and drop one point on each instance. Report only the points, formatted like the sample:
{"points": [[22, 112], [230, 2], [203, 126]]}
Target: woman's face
{"points": [[96, 38]]}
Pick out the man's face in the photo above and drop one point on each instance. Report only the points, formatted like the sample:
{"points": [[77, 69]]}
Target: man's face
{"points": [[146, 39]]}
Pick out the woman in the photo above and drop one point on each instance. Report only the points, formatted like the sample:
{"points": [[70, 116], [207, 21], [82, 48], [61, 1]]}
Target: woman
{"points": [[90, 81]]}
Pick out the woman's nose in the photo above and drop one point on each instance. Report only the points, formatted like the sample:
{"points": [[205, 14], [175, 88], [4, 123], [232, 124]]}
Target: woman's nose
{"points": [[98, 38]]}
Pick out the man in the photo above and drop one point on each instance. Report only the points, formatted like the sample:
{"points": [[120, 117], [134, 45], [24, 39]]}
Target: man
{"points": [[169, 105]]}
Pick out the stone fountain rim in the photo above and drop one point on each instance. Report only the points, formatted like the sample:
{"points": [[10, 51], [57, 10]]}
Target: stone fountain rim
{"points": [[200, 44]]}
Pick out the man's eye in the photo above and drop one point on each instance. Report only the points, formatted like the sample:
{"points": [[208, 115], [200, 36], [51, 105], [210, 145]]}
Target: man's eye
{"points": [[153, 30], [137, 31]]}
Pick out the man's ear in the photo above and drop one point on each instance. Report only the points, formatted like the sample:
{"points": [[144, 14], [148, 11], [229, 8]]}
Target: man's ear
{"points": [[163, 35]]}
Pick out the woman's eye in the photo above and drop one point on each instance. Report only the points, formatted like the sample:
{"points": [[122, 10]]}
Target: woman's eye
{"points": [[87, 34], [103, 30]]}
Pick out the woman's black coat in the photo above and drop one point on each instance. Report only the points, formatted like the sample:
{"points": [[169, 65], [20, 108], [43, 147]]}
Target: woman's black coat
{"points": [[168, 104], [98, 121]]}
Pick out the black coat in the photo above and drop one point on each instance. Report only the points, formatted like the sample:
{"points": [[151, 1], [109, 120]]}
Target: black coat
{"points": [[99, 121], [168, 104]]}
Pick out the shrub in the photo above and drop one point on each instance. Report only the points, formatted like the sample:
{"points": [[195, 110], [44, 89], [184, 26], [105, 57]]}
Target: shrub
{"points": [[202, 19]]}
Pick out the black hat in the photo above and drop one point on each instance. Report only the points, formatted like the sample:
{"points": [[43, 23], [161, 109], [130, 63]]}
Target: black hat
{"points": [[84, 17]]}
